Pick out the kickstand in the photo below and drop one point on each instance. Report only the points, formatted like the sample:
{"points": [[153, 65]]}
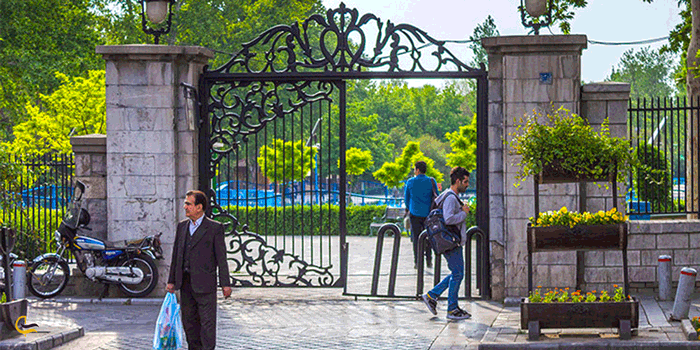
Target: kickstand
{"points": [[104, 291]]}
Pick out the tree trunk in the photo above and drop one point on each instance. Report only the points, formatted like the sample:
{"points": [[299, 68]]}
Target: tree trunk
{"points": [[692, 127]]}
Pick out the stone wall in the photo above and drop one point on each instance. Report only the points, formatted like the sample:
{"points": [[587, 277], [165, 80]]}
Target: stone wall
{"points": [[526, 74], [647, 240], [151, 140], [91, 168]]}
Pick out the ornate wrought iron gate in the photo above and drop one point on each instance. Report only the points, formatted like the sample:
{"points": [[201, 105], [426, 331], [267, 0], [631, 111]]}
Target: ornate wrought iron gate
{"points": [[272, 139]]}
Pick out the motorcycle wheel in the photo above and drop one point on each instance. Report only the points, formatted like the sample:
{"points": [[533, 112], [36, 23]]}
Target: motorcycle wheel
{"points": [[48, 277], [150, 276]]}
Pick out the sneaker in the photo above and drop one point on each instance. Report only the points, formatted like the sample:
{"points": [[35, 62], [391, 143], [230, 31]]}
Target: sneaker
{"points": [[458, 314], [430, 303], [429, 264]]}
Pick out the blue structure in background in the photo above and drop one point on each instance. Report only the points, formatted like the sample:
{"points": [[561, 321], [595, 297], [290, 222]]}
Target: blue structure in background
{"points": [[242, 193], [47, 196]]}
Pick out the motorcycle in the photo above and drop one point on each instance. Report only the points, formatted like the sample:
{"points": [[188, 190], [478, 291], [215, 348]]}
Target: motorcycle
{"points": [[128, 264]]}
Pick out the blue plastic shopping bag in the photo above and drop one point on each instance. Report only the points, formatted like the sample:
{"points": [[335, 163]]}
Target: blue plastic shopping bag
{"points": [[168, 334]]}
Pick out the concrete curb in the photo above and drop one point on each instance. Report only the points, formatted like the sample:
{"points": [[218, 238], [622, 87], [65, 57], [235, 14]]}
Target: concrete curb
{"points": [[597, 345], [689, 330], [45, 342]]}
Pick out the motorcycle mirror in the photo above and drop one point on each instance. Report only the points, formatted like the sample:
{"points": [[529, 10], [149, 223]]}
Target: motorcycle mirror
{"points": [[78, 190]]}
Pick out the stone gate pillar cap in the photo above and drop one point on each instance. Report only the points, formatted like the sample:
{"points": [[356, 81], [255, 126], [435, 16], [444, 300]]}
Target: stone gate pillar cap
{"points": [[534, 43]]}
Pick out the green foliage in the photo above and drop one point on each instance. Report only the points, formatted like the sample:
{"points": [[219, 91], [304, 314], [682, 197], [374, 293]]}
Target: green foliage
{"points": [[37, 39], [417, 111], [10, 173], [463, 143], [484, 30], [568, 145], [357, 161], [77, 107], [652, 181], [392, 173], [288, 160], [305, 220], [648, 71], [29, 224]]}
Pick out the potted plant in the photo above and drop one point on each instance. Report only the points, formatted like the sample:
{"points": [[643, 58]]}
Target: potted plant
{"points": [[567, 147], [570, 230], [560, 309]]}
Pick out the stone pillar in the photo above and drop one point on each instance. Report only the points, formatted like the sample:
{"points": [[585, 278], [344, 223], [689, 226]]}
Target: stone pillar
{"points": [[91, 168], [151, 139], [599, 101], [527, 73]]}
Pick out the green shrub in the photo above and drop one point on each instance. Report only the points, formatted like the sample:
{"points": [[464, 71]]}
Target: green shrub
{"points": [[567, 145], [652, 178], [34, 229], [304, 220]]}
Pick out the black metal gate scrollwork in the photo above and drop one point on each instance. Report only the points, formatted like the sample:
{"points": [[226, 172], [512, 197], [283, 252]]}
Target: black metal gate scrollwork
{"points": [[272, 138]]}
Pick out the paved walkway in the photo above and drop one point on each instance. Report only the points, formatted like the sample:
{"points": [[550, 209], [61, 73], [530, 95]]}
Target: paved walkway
{"points": [[301, 318], [271, 318]]}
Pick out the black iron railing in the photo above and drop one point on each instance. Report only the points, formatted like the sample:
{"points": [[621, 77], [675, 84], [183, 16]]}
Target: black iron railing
{"points": [[659, 130], [35, 198]]}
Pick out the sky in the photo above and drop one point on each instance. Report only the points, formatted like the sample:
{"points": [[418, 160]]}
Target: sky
{"points": [[601, 20]]}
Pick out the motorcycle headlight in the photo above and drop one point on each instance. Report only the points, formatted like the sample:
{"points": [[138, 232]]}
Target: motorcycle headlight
{"points": [[57, 236]]}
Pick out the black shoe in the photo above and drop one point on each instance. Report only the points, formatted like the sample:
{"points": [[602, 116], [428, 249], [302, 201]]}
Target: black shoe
{"points": [[458, 314], [429, 264], [430, 303]]}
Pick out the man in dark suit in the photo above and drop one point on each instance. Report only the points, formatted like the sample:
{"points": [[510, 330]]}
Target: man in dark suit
{"points": [[199, 249]]}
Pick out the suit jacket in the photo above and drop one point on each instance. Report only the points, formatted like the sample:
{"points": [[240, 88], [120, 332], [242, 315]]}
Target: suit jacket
{"points": [[208, 252]]}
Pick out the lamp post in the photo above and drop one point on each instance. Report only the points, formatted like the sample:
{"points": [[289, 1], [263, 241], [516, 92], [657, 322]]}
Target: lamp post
{"points": [[156, 12], [536, 8]]}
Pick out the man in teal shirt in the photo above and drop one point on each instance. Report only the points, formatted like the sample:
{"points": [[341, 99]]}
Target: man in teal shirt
{"points": [[419, 194]]}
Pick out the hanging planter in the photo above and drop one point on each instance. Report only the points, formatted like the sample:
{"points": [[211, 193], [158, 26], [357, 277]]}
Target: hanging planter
{"points": [[566, 148], [582, 237], [567, 230]]}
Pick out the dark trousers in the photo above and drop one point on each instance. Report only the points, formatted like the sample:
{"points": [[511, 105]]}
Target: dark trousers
{"points": [[416, 228], [198, 316]]}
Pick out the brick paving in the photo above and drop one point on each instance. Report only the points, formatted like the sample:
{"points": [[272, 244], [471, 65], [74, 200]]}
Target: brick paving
{"points": [[320, 318]]}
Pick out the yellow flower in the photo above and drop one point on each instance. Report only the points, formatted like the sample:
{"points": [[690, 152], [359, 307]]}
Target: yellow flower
{"points": [[563, 210]]}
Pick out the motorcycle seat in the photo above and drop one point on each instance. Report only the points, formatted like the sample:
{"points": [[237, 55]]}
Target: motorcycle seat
{"points": [[121, 244]]}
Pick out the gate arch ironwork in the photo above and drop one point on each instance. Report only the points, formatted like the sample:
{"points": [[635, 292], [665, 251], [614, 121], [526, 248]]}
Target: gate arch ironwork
{"points": [[294, 73]]}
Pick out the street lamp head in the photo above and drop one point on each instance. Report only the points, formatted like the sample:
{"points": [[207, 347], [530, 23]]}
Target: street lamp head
{"points": [[156, 12], [536, 9]]}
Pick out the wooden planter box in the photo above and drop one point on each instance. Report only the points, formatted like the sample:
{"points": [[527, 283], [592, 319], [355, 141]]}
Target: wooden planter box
{"points": [[590, 237], [622, 315], [9, 313], [554, 174]]}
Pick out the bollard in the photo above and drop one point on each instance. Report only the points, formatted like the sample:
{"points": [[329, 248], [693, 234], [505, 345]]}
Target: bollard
{"points": [[686, 284], [19, 272], [663, 274]]}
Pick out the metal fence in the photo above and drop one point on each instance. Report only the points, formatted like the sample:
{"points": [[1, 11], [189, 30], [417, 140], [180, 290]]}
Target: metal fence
{"points": [[34, 199], [659, 130]]}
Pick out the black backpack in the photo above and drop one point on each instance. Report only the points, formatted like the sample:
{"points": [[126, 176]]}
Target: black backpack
{"points": [[442, 237]]}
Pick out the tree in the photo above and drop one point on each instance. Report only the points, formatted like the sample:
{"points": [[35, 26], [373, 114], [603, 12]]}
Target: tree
{"points": [[37, 39], [652, 180], [77, 107], [463, 144], [357, 162], [392, 173], [484, 30], [648, 71], [283, 161]]}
